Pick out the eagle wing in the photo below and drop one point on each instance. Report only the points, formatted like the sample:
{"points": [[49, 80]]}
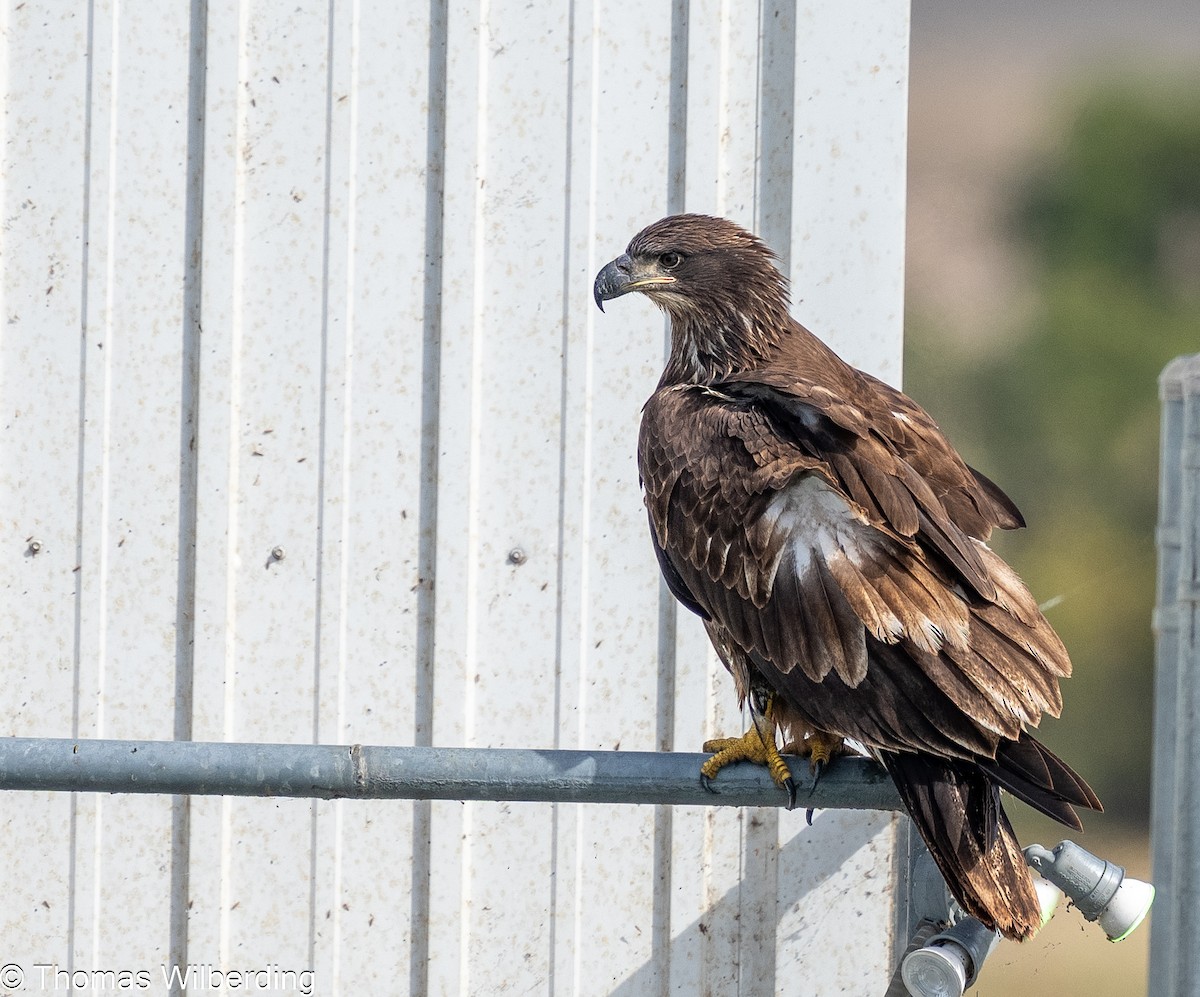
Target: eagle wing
{"points": [[843, 551]]}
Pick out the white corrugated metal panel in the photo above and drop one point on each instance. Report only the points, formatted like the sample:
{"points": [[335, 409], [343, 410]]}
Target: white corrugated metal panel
{"points": [[317, 435], [90, 376]]}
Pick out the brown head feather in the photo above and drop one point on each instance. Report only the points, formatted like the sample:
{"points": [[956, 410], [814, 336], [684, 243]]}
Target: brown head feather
{"points": [[728, 303]]}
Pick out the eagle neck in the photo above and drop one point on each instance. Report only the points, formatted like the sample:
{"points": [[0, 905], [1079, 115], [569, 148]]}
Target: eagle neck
{"points": [[717, 345]]}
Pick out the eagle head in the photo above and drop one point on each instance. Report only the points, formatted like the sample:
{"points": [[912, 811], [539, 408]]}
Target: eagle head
{"points": [[718, 284]]}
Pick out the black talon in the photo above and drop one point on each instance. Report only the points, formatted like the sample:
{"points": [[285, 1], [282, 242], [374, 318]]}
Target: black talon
{"points": [[790, 785], [706, 782], [818, 770], [808, 815]]}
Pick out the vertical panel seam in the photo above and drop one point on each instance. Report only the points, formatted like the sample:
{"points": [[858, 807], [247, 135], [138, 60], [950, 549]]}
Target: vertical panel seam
{"points": [[319, 572], [427, 529], [81, 401], [474, 486], [230, 610], [660, 942], [564, 399], [185, 596]]}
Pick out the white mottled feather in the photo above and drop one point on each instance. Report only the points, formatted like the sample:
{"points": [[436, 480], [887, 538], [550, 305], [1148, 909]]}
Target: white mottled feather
{"points": [[810, 519]]}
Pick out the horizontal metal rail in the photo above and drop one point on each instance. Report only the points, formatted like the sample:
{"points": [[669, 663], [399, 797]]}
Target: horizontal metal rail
{"points": [[387, 773]]}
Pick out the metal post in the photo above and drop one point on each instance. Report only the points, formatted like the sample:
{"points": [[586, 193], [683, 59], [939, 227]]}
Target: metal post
{"points": [[362, 772], [1175, 830]]}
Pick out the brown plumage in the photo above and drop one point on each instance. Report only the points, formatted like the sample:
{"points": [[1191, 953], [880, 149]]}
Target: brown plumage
{"points": [[835, 544]]}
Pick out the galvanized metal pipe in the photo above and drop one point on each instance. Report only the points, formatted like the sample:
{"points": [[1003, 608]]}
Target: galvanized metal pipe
{"points": [[366, 772], [1175, 799]]}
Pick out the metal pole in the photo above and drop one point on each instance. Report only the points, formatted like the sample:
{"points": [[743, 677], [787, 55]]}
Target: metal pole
{"points": [[388, 773], [1175, 805]]}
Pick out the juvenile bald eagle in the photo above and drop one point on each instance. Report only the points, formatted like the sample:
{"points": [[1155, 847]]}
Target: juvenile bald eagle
{"points": [[834, 543]]}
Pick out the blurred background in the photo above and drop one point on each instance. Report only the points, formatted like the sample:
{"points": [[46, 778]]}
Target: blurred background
{"points": [[1053, 269]]}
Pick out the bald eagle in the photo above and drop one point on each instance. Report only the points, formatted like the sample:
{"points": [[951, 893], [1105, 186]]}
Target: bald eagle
{"points": [[835, 545]]}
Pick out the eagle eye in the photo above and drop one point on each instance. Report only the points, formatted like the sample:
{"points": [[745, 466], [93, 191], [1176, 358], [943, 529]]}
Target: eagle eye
{"points": [[670, 260]]}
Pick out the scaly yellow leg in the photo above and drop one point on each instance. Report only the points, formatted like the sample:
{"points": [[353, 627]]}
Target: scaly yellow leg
{"points": [[756, 745]]}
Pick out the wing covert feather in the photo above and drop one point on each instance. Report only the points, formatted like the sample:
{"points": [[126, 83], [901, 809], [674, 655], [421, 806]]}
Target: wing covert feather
{"points": [[844, 575]]}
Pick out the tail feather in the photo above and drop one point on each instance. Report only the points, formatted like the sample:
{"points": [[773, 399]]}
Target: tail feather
{"points": [[1036, 775], [956, 808]]}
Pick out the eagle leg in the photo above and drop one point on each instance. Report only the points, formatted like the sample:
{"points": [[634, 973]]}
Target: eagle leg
{"points": [[756, 745]]}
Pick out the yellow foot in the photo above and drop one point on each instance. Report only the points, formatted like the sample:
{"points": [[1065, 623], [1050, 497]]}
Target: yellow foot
{"points": [[756, 745], [820, 748]]}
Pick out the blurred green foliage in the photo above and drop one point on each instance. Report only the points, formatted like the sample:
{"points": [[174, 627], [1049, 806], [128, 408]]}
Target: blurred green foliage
{"points": [[1065, 415]]}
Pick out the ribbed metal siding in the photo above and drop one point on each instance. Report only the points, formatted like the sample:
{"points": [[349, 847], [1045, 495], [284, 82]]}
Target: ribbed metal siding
{"points": [[315, 280]]}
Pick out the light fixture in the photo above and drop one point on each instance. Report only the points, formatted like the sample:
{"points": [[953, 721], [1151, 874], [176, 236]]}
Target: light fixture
{"points": [[1049, 897], [950, 961], [1098, 888], [946, 964]]}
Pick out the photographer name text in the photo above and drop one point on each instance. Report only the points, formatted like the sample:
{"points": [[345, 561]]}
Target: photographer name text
{"points": [[192, 978]]}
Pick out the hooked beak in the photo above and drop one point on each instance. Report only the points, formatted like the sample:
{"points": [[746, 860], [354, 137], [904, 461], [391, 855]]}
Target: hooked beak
{"points": [[623, 275]]}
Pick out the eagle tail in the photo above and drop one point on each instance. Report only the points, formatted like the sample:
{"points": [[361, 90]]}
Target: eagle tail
{"points": [[1037, 776], [956, 808]]}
